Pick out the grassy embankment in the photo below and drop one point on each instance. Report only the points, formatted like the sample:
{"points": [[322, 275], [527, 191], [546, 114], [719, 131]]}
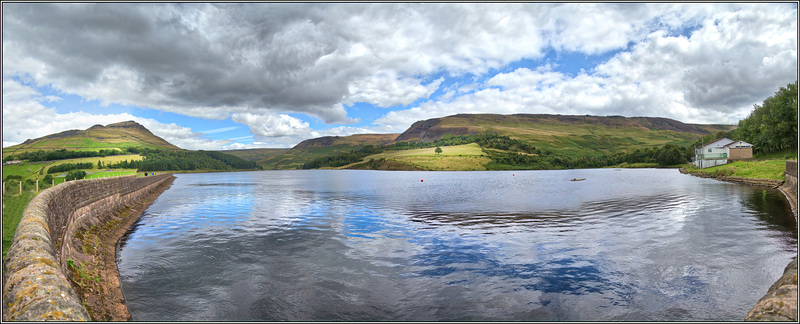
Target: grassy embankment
{"points": [[764, 166]]}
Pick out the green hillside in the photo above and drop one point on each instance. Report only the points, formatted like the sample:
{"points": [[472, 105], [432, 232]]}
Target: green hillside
{"points": [[506, 141], [315, 148], [113, 136], [569, 136], [255, 155]]}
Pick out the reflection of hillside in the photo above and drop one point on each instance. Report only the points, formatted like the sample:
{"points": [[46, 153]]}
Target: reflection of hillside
{"points": [[638, 209]]}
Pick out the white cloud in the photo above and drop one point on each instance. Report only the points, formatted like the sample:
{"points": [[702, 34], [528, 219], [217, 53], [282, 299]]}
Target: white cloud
{"points": [[257, 62], [713, 76], [385, 89], [272, 125], [23, 105], [220, 130]]}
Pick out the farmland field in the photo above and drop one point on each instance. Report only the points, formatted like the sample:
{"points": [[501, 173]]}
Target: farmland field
{"points": [[458, 157]]}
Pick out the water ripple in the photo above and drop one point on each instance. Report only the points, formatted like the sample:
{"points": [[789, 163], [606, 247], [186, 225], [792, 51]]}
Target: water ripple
{"points": [[353, 246]]}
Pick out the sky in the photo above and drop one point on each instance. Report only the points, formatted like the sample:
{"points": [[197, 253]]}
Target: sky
{"points": [[270, 75]]}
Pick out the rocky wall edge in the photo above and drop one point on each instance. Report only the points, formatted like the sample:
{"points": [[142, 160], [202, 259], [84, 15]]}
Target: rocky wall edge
{"points": [[35, 282]]}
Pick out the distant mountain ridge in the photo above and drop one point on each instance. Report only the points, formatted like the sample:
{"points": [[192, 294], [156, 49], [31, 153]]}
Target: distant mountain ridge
{"points": [[569, 136], [356, 139], [466, 124], [323, 146], [116, 135]]}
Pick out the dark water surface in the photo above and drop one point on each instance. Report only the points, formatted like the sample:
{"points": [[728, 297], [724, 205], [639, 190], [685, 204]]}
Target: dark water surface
{"points": [[641, 244]]}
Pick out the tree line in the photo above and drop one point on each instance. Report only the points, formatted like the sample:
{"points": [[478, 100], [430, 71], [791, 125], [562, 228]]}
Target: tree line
{"points": [[488, 140], [667, 155], [170, 160], [772, 126], [62, 154], [69, 166]]}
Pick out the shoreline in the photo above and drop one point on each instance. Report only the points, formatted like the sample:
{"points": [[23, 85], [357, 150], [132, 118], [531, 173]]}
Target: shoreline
{"points": [[780, 301], [98, 283], [106, 302]]}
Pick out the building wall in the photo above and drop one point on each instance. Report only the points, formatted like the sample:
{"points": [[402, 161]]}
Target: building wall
{"points": [[740, 153], [35, 278]]}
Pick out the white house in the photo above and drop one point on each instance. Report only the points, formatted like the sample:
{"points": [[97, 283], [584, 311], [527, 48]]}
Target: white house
{"points": [[721, 152]]}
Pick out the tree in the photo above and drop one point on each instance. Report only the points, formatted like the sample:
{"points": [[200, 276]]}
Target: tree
{"points": [[75, 175], [438, 150], [772, 126]]}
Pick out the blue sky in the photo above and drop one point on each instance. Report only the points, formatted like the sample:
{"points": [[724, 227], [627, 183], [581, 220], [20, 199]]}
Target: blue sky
{"points": [[228, 76]]}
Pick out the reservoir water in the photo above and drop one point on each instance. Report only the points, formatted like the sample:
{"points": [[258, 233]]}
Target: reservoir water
{"points": [[342, 245]]}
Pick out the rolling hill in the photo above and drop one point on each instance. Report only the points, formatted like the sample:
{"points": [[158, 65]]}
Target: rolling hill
{"points": [[564, 136], [321, 147], [567, 135], [112, 136], [255, 154]]}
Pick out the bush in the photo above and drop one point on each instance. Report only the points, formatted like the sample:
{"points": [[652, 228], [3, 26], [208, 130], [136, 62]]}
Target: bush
{"points": [[75, 175], [13, 177]]}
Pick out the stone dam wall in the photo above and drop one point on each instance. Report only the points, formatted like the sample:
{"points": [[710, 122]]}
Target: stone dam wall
{"points": [[37, 279]]}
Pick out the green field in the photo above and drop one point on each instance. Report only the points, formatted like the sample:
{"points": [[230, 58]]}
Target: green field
{"points": [[106, 160], [14, 203], [115, 173], [759, 169], [13, 207], [458, 157]]}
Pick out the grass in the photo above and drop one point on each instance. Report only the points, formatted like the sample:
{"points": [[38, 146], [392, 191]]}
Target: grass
{"points": [[295, 158], [14, 204], [106, 160], [790, 154], [13, 208], [459, 157], [26, 170], [757, 169], [117, 173]]}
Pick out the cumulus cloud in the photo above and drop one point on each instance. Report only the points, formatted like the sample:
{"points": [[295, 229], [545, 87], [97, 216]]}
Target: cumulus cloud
{"points": [[715, 75], [257, 63], [23, 105]]}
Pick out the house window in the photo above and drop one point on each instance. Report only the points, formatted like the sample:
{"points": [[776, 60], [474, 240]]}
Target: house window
{"points": [[709, 150]]}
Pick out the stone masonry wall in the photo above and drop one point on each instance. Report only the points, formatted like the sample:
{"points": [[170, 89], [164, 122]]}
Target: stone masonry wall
{"points": [[789, 186], [35, 283]]}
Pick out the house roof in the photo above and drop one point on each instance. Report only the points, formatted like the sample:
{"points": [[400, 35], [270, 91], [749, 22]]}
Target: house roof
{"points": [[723, 142], [740, 144], [719, 143]]}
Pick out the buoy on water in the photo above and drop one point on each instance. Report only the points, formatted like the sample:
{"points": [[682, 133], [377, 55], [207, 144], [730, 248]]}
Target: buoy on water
{"points": [[420, 180]]}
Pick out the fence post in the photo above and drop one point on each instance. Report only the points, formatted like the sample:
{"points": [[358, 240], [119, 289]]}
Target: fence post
{"points": [[20, 187]]}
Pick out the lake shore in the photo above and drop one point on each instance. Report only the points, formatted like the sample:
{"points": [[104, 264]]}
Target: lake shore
{"points": [[780, 301], [103, 298]]}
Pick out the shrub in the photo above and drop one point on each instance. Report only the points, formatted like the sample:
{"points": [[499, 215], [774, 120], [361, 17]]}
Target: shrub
{"points": [[75, 175], [13, 177]]}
